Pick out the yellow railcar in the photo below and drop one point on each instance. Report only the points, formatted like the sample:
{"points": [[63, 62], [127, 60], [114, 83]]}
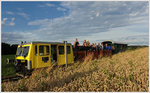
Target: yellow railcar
{"points": [[43, 54]]}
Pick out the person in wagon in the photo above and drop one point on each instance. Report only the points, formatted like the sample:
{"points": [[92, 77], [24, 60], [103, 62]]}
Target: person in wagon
{"points": [[101, 46], [76, 44], [87, 43], [98, 46], [106, 47], [84, 43], [106, 50], [109, 48]]}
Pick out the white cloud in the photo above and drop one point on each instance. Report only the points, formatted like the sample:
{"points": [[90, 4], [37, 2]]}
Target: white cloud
{"points": [[90, 20], [39, 22], [61, 9], [23, 15], [17, 37], [97, 14], [9, 12], [142, 39], [11, 24], [8, 21], [79, 24], [47, 5], [3, 21]]}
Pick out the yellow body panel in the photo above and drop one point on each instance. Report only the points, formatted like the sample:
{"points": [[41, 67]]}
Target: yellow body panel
{"points": [[39, 59]]}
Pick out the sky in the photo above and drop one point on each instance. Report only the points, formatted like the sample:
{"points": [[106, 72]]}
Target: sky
{"points": [[55, 21]]}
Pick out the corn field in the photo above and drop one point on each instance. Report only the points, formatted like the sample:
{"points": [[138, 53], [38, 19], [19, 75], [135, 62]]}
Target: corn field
{"points": [[123, 72]]}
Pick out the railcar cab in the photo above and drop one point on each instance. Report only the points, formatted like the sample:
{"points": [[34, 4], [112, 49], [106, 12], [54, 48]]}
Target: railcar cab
{"points": [[43, 54]]}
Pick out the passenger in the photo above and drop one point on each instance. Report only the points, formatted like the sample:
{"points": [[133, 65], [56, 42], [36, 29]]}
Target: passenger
{"points": [[109, 50], [106, 50], [98, 46], [95, 45], [106, 47], [76, 43], [102, 47], [84, 43], [113, 48], [109, 47], [92, 45], [87, 43]]}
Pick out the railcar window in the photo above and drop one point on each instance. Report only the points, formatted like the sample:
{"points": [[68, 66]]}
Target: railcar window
{"points": [[36, 50], [61, 49], [68, 49], [25, 51], [47, 50], [19, 51], [41, 50]]}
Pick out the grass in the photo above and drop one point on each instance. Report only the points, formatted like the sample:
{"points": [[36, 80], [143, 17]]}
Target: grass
{"points": [[123, 72], [7, 69]]}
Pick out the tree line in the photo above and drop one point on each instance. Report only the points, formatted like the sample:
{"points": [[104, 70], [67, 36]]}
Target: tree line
{"points": [[8, 49]]}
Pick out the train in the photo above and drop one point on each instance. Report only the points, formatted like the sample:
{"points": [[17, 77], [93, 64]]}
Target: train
{"points": [[43, 54]]}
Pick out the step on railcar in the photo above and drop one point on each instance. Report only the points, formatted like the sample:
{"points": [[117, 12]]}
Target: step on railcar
{"points": [[43, 54]]}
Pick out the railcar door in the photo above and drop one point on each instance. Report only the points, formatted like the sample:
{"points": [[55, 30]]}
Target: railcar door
{"points": [[61, 54], [35, 55], [53, 53], [44, 55], [69, 54]]}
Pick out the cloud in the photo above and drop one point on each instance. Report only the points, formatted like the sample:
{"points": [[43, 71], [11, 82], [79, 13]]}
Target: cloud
{"points": [[39, 22], [47, 5], [3, 21], [61, 9], [87, 20], [78, 22], [17, 37], [26, 16], [97, 14], [9, 12], [136, 39], [8, 21]]}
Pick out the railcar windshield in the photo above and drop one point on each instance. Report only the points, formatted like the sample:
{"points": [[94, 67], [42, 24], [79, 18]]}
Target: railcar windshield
{"points": [[19, 51], [23, 51]]}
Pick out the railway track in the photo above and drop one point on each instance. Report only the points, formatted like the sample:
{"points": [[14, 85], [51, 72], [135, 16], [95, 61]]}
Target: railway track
{"points": [[15, 77], [11, 78]]}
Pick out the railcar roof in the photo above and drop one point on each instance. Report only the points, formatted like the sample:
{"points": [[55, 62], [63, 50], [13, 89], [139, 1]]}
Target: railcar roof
{"points": [[35, 42]]}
